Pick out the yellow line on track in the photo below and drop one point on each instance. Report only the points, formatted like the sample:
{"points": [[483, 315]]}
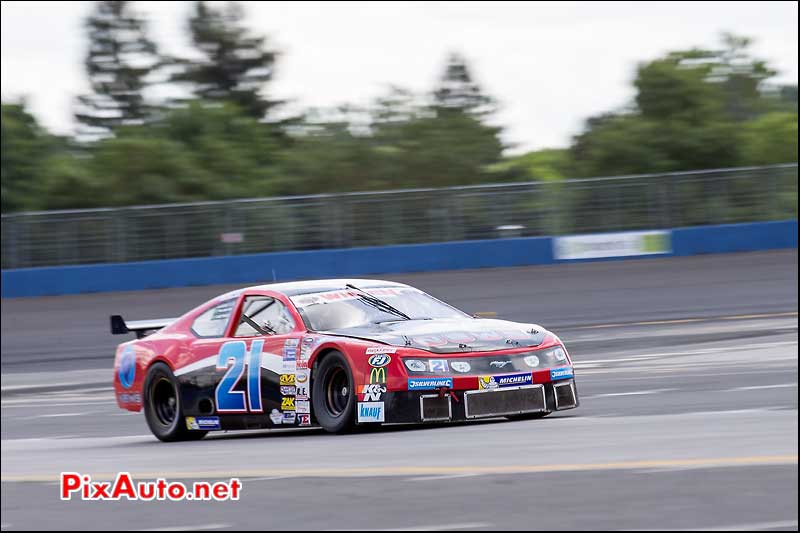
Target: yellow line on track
{"points": [[757, 460]]}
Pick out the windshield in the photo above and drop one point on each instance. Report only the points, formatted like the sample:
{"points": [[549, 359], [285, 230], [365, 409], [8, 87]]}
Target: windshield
{"points": [[340, 309]]}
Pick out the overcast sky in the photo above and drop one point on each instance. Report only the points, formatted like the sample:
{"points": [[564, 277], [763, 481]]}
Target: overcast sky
{"points": [[550, 64]]}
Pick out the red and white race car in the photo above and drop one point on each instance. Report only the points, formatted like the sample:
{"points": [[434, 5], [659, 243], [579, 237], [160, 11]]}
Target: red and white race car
{"points": [[335, 354]]}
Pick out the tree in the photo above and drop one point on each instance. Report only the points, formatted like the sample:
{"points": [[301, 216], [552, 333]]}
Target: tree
{"points": [[120, 59], [457, 91], [234, 65], [25, 147], [770, 139]]}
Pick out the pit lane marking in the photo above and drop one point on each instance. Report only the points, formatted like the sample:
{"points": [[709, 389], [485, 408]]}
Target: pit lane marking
{"points": [[377, 471]]}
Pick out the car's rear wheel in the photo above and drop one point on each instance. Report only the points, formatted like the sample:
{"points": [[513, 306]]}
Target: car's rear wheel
{"points": [[333, 394], [162, 406]]}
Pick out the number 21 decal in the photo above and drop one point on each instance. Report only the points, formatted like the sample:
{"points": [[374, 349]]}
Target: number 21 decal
{"points": [[233, 355]]}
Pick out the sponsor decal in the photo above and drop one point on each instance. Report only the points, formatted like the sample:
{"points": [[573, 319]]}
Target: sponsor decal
{"points": [[499, 364], [130, 398], [302, 406], [508, 380], [202, 422], [304, 419], [287, 379], [532, 361], [620, 244], [415, 365], [308, 341], [301, 392], [302, 377], [288, 390], [377, 375], [276, 417], [287, 403], [373, 393], [127, 367], [370, 412], [377, 350], [379, 360], [439, 365], [486, 382], [289, 418], [460, 366], [429, 383], [560, 373], [290, 349], [301, 365]]}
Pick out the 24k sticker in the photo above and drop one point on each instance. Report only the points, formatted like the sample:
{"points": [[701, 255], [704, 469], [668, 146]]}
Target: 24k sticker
{"points": [[287, 403]]}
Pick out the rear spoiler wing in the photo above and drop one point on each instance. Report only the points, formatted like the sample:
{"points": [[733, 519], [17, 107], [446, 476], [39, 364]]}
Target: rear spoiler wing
{"points": [[142, 328]]}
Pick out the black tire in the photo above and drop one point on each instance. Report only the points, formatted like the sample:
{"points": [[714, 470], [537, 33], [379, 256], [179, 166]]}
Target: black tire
{"points": [[529, 416], [333, 394], [162, 406]]}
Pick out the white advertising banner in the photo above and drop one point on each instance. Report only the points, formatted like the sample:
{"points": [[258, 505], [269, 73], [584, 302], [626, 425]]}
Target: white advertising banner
{"points": [[612, 244]]}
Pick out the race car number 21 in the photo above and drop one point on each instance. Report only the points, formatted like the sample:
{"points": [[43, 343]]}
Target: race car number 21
{"points": [[234, 357]]}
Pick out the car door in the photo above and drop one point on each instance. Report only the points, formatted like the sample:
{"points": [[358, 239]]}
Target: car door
{"points": [[265, 337]]}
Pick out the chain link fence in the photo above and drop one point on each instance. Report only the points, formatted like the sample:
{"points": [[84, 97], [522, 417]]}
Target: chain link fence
{"points": [[345, 220]]}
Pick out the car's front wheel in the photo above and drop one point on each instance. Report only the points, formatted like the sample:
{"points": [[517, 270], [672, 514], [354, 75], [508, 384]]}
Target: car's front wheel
{"points": [[333, 394], [162, 406]]}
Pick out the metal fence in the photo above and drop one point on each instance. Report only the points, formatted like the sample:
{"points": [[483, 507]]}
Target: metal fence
{"points": [[396, 217]]}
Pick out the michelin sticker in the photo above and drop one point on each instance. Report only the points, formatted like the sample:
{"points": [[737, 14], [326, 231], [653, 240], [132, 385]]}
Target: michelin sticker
{"points": [[202, 422], [508, 380], [276, 417]]}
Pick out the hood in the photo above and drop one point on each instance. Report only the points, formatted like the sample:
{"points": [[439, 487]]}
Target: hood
{"points": [[455, 335]]}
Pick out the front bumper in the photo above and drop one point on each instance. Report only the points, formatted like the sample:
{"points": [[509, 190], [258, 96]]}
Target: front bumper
{"points": [[460, 405]]}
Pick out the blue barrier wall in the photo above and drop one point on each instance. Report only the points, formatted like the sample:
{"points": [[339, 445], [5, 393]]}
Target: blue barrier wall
{"points": [[281, 266]]}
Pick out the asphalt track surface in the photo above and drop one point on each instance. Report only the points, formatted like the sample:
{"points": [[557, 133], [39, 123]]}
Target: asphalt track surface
{"points": [[686, 368]]}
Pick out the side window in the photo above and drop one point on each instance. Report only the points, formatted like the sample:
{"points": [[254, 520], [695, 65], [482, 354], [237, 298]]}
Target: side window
{"points": [[212, 323], [262, 315]]}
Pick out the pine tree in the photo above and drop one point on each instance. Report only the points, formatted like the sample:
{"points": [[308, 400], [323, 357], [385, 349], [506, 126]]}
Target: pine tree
{"points": [[458, 91], [118, 64], [235, 65]]}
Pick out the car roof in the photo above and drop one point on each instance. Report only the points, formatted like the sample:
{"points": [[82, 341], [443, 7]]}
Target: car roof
{"points": [[294, 288]]}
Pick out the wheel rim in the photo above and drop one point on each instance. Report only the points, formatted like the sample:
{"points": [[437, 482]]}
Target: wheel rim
{"points": [[337, 391], [164, 401]]}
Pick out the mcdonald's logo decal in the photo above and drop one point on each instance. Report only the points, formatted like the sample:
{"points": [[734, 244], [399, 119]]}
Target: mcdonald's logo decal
{"points": [[377, 375]]}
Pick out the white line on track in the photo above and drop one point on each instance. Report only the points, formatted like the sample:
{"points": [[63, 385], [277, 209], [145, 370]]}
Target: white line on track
{"points": [[443, 527], [202, 527], [631, 393], [738, 527], [436, 478], [778, 386], [58, 415]]}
